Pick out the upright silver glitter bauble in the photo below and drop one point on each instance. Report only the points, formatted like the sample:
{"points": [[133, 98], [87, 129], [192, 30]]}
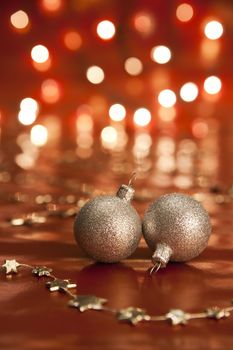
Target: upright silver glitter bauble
{"points": [[108, 228], [176, 227]]}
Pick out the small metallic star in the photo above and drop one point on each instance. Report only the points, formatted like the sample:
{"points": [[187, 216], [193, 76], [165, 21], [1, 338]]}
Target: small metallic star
{"points": [[41, 271], [87, 302], [60, 285], [132, 315], [217, 313], [177, 316], [11, 266]]}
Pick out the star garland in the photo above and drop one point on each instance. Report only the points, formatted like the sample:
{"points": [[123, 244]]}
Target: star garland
{"points": [[131, 315]]}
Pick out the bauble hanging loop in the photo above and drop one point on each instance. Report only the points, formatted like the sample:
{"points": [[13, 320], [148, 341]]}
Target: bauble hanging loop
{"points": [[107, 227], [176, 228]]}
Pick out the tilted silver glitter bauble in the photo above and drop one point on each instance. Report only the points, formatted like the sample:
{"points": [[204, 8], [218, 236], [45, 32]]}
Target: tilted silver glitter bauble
{"points": [[176, 227], [108, 228]]}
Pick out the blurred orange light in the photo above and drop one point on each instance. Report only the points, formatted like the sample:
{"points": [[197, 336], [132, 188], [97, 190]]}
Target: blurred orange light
{"points": [[106, 30], [167, 98], [142, 117], [161, 54], [167, 114], [184, 12], [117, 112], [50, 91], [19, 19], [52, 5], [84, 123], [42, 67], [39, 53], [213, 30], [212, 85], [200, 129], [210, 49], [133, 66], [144, 23], [72, 40], [95, 75]]}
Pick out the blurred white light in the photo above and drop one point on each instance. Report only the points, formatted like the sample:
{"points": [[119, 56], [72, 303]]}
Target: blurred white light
{"points": [[161, 54], [25, 161], [106, 30], [213, 30], [29, 103], [40, 53], [26, 117], [142, 117], [212, 85], [95, 75], [189, 92], [184, 12], [117, 112], [167, 98], [109, 135], [133, 66], [19, 19], [39, 135]]}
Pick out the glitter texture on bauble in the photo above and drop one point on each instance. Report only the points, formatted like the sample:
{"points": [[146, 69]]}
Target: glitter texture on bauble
{"points": [[108, 228], [176, 227]]}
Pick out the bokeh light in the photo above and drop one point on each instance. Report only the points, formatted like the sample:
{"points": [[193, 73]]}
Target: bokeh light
{"points": [[109, 137], [200, 128], [72, 40], [19, 19], [39, 135], [84, 123], [213, 30], [161, 54], [142, 117], [29, 103], [51, 5], [144, 23], [189, 92], [42, 67], [39, 53], [106, 30], [210, 50], [133, 66], [117, 112], [50, 91], [184, 12], [95, 75], [167, 114], [212, 85], [167, 98], [27, 117]]}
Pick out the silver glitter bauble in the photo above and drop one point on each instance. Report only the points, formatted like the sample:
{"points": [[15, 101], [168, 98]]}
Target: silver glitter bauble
{"points": [[108, 228], [176, 227]]}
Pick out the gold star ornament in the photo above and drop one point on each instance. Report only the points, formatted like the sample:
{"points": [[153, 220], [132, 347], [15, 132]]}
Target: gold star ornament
{"points": [[87, 302], [11, 266], [133, 315], [60, 285]]}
